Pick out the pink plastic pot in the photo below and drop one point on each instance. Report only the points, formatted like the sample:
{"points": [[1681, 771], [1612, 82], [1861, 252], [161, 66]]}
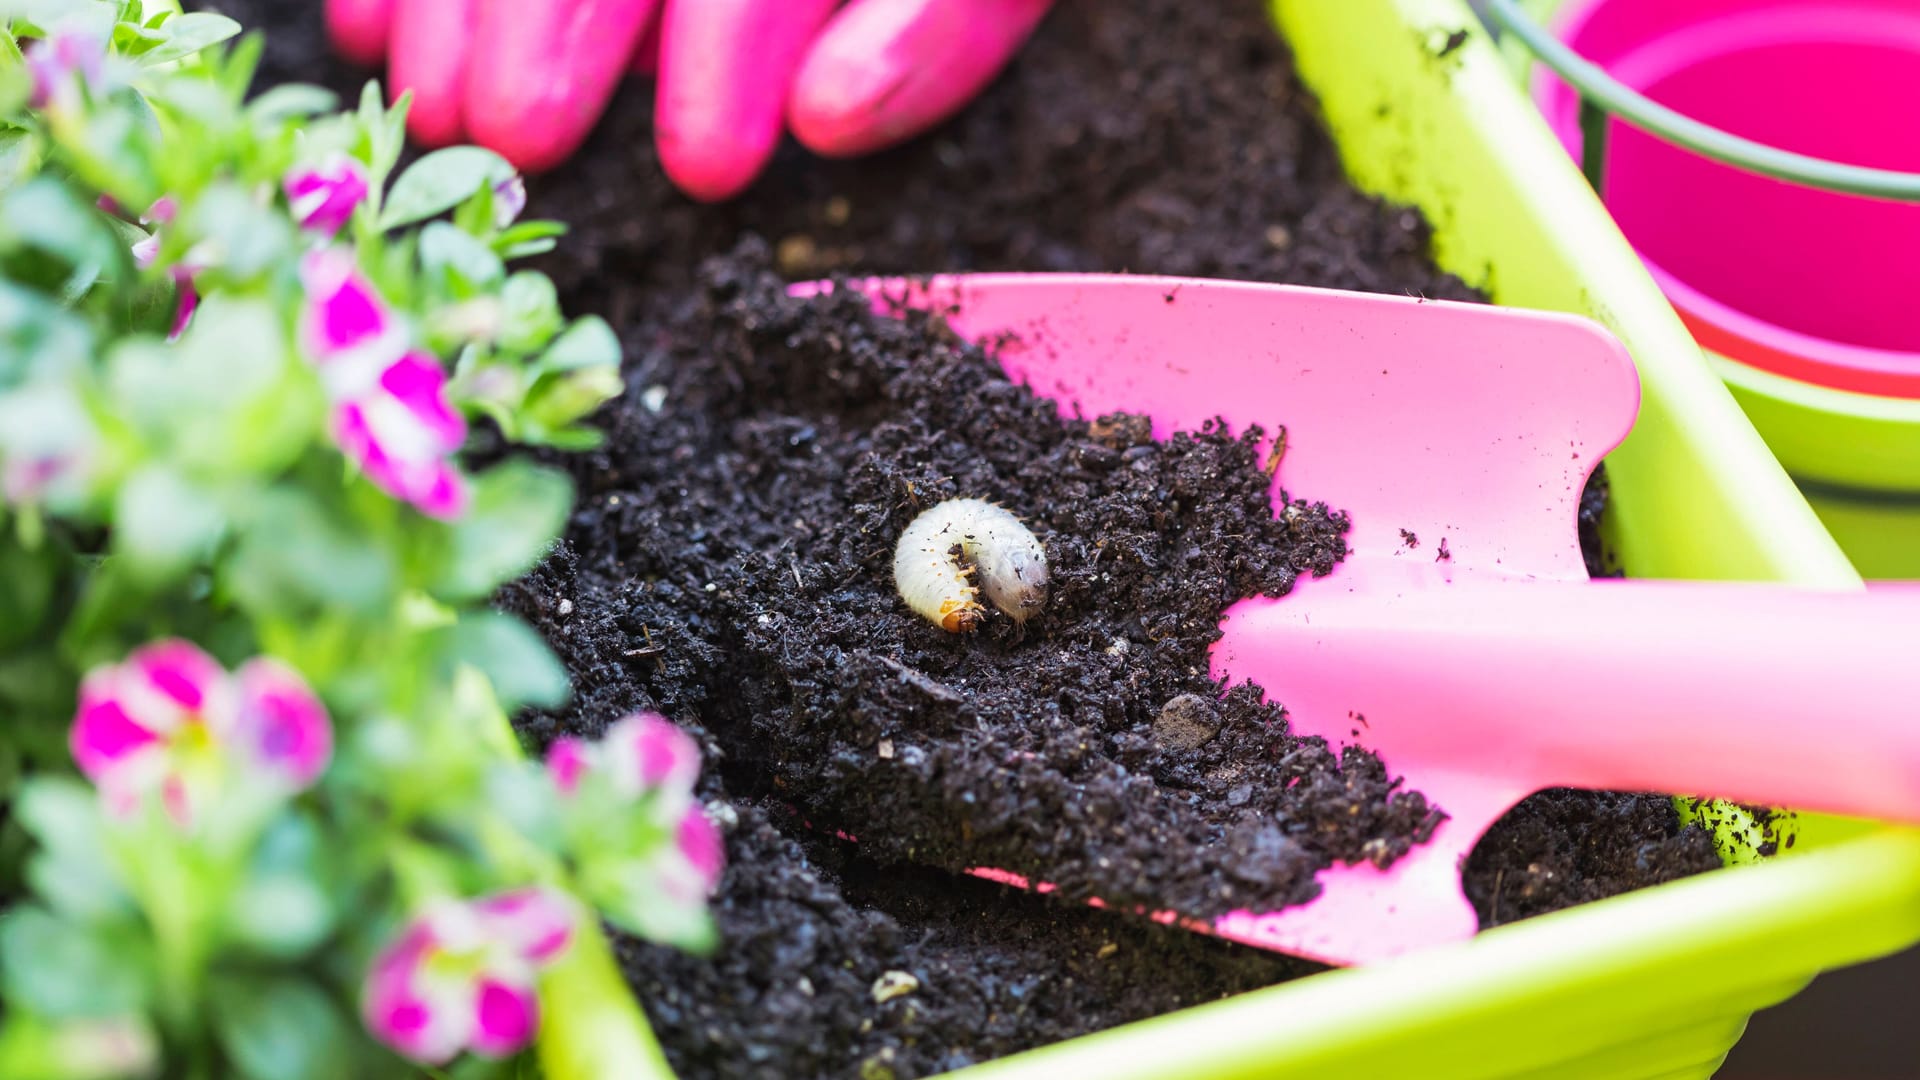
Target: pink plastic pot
{"points": [[1813, 285], [1814, 296]]}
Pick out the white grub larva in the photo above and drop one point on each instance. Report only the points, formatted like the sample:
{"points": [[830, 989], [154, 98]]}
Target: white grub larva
{"points": [[944, 547]]}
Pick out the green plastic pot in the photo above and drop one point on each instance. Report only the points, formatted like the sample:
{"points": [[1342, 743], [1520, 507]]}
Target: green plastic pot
{"points": [[1856, 458], [1658, 983]]}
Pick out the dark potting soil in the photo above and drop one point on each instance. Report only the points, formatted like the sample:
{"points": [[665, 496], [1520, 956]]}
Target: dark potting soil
{"points": [[729, 564], [742, 527]]}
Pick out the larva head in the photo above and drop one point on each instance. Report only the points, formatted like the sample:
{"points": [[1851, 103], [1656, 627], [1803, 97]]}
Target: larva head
{"points": [[1013, 573]]}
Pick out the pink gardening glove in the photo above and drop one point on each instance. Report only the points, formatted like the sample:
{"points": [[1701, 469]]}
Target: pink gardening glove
{"points": [[529, 78]]}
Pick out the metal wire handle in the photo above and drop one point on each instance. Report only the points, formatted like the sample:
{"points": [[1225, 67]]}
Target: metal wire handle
{"points": [[1602, 95]]}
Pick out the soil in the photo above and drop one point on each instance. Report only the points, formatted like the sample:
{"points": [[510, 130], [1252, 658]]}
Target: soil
{"points": [[729, 565]]}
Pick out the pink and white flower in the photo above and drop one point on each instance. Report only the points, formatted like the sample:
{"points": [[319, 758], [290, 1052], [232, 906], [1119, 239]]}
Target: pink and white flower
{"points": [[49, 446], [62, 66], [345, 326], [323, 197], [391, 413], [640, 754], [162, 212], [170, 723], [461, 975], [654, 875], [403, 432], [509, 200]]}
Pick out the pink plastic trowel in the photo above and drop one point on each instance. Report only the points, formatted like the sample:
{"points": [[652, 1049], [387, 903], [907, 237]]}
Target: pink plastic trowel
{"points": [[1480, 663]]}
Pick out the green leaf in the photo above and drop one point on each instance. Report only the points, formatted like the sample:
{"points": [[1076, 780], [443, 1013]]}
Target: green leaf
{"points": [[522, 669], [63, 970], [110, 600], [530, 314], [26, 590], [226, 400], [291, 101], [69, 871], [455, 257], [441, 181], [250, 237], [292, 554], [283, 908], [188, 34], [589, 342], [236, 69], [133, 39], [528, 238], [558, 399], [46, 214], [518, 509], [37, 339], [527, 250], [62, 813], [163, 524], [19, 157], [91, 16], [521, 792], [281, 1028], [572, 440], [386, 130], [282, 915], [37, 696]]}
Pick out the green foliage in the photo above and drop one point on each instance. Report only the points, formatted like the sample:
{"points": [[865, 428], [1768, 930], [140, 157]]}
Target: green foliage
{"points": [[178, 460]]}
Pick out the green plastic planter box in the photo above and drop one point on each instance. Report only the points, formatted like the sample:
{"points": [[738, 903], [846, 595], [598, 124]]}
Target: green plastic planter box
{"points": [[1654, 984]]}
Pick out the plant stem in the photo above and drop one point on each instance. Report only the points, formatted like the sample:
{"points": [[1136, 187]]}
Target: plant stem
{"points": [[591, 1027]]}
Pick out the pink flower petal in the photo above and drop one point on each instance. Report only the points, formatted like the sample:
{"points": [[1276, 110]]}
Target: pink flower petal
{"points": [[394, 1010], [536, 923], [189, 300], [398, 456], [343, 312], [509, 200], [282, 725], [146, 251], [402, 431], [417, 382], [104, 737], [180, 672], [162, 212], [648, 752], [58, 65], [566, 763], [505, 1017], [354, 435], [699, 843], [25, 479], [324, 198], [177, 800], [445, 495]]}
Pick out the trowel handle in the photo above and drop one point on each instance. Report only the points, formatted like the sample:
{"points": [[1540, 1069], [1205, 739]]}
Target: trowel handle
{"points": [[1764, 694]]}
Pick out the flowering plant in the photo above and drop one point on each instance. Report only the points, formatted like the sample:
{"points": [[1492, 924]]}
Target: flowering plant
{"points": [[260, 810]]}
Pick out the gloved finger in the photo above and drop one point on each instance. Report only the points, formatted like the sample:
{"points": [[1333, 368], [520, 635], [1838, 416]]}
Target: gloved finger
{"points": [[725, 66], [427, 54], [540, 74], [885, 70], [646, 55], [359, 28]]}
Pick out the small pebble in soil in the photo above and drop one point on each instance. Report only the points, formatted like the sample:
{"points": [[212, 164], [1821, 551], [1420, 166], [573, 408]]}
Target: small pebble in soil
{"points": [[893, 984], [1186, 722]]}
